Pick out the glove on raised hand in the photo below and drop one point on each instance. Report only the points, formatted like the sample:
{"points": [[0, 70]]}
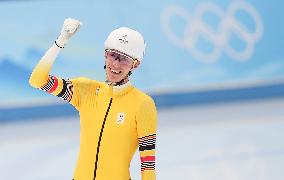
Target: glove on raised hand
{"points": [[69, 28]]}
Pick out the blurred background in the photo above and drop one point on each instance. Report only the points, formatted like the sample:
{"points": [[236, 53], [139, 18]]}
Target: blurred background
{"points": [[214, 68]]}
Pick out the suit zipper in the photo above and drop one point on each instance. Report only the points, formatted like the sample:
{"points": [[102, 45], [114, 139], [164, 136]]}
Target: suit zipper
{"points": [[100, 138]]}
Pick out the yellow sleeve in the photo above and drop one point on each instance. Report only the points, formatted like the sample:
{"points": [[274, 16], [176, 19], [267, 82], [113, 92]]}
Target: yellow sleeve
{"points": [[67, 90], [146, 129]]}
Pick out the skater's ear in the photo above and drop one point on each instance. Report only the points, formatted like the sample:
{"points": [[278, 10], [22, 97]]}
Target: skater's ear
{"points": [[136, 63]]}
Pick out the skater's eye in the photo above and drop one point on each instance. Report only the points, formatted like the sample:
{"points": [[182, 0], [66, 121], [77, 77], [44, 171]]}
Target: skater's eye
{"points": [[123, 59], [112, 54]]}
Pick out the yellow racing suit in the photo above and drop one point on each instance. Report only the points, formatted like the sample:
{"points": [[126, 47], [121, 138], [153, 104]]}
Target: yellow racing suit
{"points": [[114, 122]]}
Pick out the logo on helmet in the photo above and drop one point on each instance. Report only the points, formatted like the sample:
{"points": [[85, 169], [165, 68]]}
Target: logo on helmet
{"points": [[123, 39]]}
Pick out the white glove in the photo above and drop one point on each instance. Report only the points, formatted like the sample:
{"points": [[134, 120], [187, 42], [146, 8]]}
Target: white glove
{"points": [[69, 28]]}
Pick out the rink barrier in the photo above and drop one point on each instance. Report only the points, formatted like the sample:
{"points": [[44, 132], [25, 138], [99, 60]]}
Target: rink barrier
{"points": [[162, 100]]}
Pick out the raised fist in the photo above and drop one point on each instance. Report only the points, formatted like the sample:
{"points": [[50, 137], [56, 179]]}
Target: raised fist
{"points": [[69, 28]]}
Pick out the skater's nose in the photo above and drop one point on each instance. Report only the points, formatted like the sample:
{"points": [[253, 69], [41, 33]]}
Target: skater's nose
{"points": [[116, 62]]}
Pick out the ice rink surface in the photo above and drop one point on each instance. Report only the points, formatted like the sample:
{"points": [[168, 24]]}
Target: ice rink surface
{"points": [[231, 141]]}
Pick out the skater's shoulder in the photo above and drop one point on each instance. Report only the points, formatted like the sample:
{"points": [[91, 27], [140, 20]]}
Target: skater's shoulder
{"points": [[84, 81], [143, 95]]}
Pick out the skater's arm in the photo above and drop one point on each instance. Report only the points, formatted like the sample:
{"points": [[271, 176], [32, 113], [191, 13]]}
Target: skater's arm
{"points": [[41, 78], [147, 128], [40, 74]]}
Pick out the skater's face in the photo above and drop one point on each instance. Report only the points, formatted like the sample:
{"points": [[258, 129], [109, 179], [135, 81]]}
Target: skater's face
{"points": [[118, 65]]}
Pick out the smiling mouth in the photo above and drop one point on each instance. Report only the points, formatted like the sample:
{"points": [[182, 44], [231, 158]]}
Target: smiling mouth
{"points": [[114, 71]]}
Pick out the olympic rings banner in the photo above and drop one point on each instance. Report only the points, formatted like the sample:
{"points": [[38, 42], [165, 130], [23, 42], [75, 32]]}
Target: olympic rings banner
{"points": [[191, 45]]}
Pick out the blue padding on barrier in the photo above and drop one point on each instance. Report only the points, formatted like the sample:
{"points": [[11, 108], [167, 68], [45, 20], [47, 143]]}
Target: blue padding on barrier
{"points": [[218, 96], [161, 100], [46, 111]]}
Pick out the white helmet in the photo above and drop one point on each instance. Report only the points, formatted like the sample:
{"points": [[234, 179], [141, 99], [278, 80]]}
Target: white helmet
{"points": [[127, 41]]}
